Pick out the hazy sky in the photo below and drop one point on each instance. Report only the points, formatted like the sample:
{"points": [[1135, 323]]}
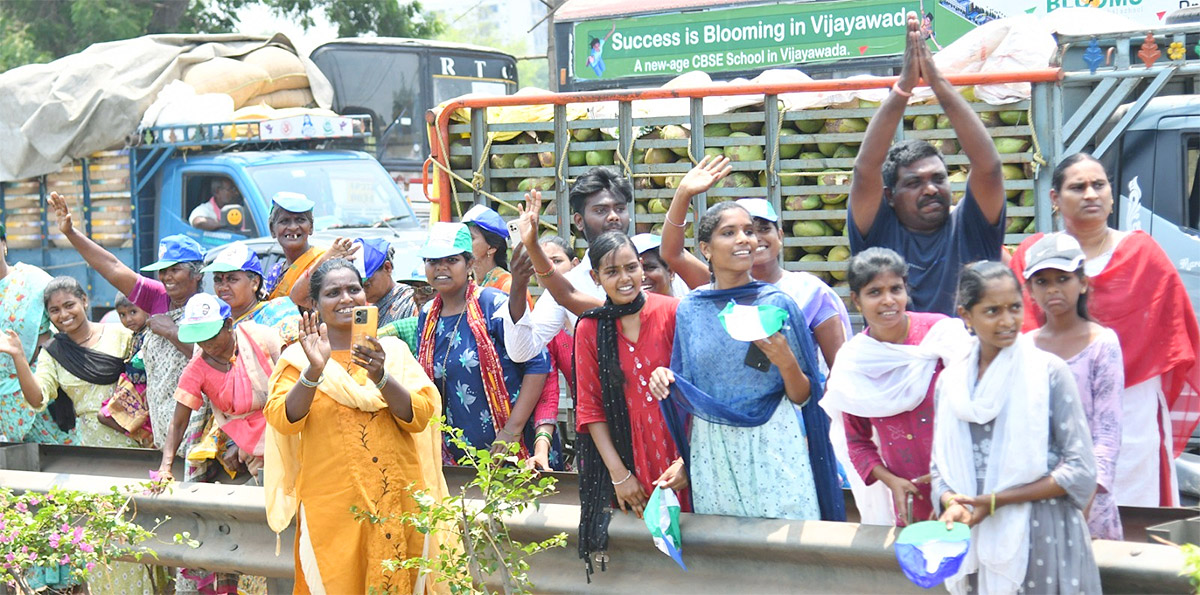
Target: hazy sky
{"points": [[257, 19]]}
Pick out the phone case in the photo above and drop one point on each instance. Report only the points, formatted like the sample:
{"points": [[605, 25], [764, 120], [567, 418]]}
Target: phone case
{"points": [[514, 234], [365, 324], [756, 359]]}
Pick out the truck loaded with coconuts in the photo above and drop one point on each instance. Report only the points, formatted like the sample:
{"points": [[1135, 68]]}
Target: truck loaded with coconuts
{"points": [[1125, 96]]}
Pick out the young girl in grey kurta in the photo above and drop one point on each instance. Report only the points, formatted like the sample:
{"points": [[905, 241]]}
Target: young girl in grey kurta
{"points": [[1012, 453], [1060, 547]]}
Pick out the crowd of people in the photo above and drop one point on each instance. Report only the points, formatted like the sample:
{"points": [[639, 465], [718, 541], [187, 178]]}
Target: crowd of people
{"points": [[1025, 394]]}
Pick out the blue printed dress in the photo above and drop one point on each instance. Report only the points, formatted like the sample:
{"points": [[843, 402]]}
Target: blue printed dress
{"points": [[753, 453], [456, 373]]}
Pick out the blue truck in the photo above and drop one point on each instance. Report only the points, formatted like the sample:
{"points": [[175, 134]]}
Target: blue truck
{"points": [[127, 200]]}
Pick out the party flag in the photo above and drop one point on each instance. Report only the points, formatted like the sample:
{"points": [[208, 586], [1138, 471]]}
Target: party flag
{"points": [[662, 519], [751, 323], [929, 554]]}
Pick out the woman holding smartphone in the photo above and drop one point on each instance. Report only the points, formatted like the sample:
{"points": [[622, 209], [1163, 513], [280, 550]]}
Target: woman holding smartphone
{"points": [[488, 396], [349, 431]]}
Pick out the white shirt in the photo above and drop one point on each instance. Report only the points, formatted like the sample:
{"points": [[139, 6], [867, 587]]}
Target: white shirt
{"points": [[527, 337], [206, 210]]}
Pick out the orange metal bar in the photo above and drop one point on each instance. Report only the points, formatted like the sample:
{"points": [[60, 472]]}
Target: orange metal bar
{"points": [[1043, 75]]}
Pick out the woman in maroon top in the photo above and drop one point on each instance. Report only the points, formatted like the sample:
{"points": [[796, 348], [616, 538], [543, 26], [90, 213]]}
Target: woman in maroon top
{"points": [[881, 385]]}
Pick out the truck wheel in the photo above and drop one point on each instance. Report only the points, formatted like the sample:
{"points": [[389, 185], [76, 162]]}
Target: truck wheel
{"points": [[1190, 14]]}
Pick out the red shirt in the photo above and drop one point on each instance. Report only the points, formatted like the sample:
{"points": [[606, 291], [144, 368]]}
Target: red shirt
{"points": [[653, 448], [906, 439]]}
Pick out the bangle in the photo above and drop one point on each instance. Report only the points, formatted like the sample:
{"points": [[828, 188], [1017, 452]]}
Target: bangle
{"points": [[899, 91], [382, 380], [667, 218], [309, 383], [545, 274], [948, 496], [504, 431], [617, 483], [542, 439], [993, 504], [543, 434]]}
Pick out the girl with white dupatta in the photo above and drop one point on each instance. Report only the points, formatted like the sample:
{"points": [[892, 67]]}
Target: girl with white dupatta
{"points": [[1012, 453], [880, 392]]}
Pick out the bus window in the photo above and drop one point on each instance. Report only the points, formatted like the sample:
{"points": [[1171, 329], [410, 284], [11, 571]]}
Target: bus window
{"points": [[387, 86]]}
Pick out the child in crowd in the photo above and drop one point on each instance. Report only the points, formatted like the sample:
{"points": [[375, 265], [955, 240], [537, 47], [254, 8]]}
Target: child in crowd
{"points": [[1054, 274], [1012, 453], [125, 410]]}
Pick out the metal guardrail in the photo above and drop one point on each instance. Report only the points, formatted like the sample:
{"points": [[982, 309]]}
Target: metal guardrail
{"points": [[723, 553]]}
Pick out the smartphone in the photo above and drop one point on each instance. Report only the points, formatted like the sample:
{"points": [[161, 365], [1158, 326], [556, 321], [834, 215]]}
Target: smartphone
{"points": [[514, 234], [756, 359], [365, 324]]}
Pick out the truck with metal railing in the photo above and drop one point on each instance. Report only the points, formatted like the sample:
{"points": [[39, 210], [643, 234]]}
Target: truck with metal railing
{"points": [[127, 200], [1128, 97]]}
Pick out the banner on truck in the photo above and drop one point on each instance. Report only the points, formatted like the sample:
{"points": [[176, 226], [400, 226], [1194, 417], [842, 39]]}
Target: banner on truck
{"points": [[784, 35]]}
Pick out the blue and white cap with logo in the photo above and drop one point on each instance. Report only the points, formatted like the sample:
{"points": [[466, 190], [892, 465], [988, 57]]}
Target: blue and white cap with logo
{"points": [[293, 202], [372, 253], [486, 219], [236, 257], [645, 242], [203, 316], [175, 249], [759, 208]]}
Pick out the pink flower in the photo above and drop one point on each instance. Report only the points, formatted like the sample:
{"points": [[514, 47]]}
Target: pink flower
{"points": [[65, 528], [90, 566], [21, 507], [77, 536], [10, 556], [54, 540], [35, 500], [65, 560], [87, 548]]}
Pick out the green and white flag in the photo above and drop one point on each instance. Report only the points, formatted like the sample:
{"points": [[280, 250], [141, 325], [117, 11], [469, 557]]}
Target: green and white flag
{"points": [[662, 518], [751, 323]]}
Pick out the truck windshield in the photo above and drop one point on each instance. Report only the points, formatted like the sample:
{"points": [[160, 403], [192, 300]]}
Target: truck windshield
{"points": [[347, 193]]}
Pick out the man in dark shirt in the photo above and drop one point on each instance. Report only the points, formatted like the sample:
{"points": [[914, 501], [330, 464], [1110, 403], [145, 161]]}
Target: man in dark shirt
{"points": [[900, 197]]}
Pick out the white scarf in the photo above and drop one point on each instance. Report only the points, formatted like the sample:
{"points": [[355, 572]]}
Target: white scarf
{"points": [[1014, 393], [871, 378]]}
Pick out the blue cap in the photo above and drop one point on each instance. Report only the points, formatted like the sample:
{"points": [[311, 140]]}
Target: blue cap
{"points": [[236, 257], [372, 254], [486, 219], [645, 242], [175, 249], [446, 239], [407, 266], [759, 208], [293, 202]]}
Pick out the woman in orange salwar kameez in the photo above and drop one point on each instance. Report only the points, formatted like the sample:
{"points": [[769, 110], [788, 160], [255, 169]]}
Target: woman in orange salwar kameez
{"points": [[350, 429]]}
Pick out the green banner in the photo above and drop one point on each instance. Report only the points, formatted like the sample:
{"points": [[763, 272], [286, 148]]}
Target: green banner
{"points": [[784, 35]]}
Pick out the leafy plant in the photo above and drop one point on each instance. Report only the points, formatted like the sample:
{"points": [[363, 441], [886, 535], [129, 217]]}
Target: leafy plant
{"points": [[58, 538], [477, 543]]}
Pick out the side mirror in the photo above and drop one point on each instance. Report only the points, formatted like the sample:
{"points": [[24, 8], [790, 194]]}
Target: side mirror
{"points": [[233, 216]]}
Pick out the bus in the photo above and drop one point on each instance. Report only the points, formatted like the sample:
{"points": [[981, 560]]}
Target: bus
{"points": [[396, 80]]}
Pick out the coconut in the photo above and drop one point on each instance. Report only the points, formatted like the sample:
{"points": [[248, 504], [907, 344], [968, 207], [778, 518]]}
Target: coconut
{"points": [[789, 151], [504, 161], [674, 132], [459, 161], [1011, 145], [583, 134], [943, 122], [810, 229], [845, 125], [551, 208], [658, 206], [1027, 198], [576, 158], [838, 254], [812, 154], [947, 146], [689, 231], [719, 129], [597, 158], [827, 149], [644, 184], [529, 184], [838, 225], [505, 210], [1014, 117], [546, 159], [659, 156], [748, 128], [737, 179], [524, 161], [672, 181], [846, 151], [990, 119], [810, 126], [792, 253], [1032, 227], [968, 93], [1016, 224], [813, 249], [714, 152], [743, 152], [513, 184], [1012, 172], [793, 203], [656, 229], [833, 177], [924, 122]]}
